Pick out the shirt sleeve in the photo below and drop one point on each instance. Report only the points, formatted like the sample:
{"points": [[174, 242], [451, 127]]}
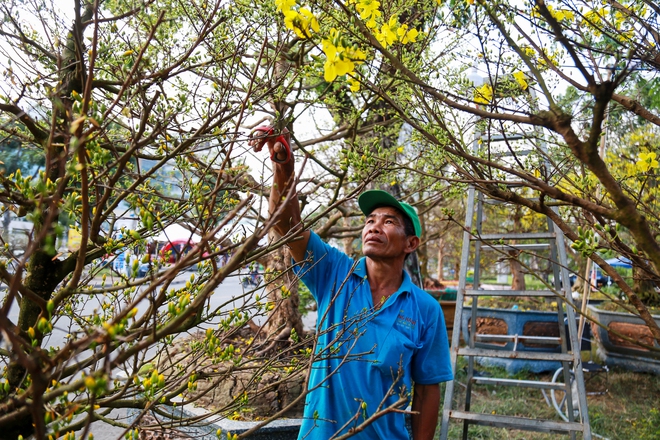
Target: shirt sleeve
{"points": [[431, 363], [323, 268]]}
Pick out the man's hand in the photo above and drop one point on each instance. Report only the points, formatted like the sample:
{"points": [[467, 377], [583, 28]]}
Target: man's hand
{"points": [[278, 144], [283, 177]]}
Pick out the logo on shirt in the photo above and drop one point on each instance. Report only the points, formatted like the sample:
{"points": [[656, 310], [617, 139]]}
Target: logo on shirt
{"points": [[405, 321]]}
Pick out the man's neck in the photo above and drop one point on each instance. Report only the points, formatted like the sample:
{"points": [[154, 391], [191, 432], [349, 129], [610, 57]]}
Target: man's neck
{"points": [[385, 278]]}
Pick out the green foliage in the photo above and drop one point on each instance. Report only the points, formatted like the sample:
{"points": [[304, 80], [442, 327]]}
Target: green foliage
{"points": [[306, 298]]}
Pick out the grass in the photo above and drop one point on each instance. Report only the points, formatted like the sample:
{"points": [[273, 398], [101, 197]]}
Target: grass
{"points": [[630, 409]]}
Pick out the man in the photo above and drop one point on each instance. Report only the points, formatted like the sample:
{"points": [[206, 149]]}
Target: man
{"points": [[377, 332]]}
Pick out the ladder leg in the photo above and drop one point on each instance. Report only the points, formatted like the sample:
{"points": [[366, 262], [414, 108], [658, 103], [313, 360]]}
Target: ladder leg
{"points": [[576, 342], [458, 315]]}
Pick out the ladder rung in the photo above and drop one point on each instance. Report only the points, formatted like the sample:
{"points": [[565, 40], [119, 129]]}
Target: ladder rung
{"points": [[504, 137], [510, 154], [503, 421], [520, 247], [504, 292], [514, 236], [518, 338], [494, 202], [508, 354], [558, 386]]}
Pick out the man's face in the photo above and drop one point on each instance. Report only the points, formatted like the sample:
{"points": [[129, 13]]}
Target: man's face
{"points": [[384, 236]]}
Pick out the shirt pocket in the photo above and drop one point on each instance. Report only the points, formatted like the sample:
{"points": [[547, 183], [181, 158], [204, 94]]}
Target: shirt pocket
{"points": [[395, 351]]}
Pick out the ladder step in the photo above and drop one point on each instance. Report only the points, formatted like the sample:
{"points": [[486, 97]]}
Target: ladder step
{"points": [[516, 236], [504, 292], [494, 202], [502, 421], [557, 386], [504, 137], [516, 153], [507, 354], [510, 247], [518, 338]]}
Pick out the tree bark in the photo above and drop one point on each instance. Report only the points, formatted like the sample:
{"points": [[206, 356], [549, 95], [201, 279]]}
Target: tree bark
{"points": [[441, 256], [282, 287]]}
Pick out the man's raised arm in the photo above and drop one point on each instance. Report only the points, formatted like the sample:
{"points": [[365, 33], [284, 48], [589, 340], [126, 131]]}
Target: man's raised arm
{"points": [[284, 175]]}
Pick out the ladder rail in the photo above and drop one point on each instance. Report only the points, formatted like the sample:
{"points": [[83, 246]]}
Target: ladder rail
{"points": [[475, 282]]}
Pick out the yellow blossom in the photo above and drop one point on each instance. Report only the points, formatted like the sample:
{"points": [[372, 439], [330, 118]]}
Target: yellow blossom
{"points": [[387, 36], [336, 63], [340, 60], [368, 9], [301, 22], [520, 79], [285, 5], [354, 83], [647, 161], [483, 94], [405, 35]]}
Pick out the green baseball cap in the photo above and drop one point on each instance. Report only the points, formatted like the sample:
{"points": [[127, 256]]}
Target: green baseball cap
{"points": [[374, 198]]}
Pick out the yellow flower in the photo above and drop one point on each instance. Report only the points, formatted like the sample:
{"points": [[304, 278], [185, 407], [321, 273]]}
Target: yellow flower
{"points": [[647, 161], [90, 382], [387, 36], [405, 35], [368, 9], [285, 5], [335, 64], [301, 22], [355, 84], [483, 94], [520, 79], [339, 60], [559, 15]]}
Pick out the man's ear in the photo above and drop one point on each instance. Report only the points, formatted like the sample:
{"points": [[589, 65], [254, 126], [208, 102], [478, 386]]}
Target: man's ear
{"points": [[413, 244]]}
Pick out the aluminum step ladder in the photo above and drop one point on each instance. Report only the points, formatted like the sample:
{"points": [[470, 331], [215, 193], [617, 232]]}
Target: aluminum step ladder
{"points": [[576, 420]]}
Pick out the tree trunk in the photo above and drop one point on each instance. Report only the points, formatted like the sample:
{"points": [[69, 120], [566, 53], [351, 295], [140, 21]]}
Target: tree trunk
{"points": [[282, 288], [441, 256], [423, 261], [517, 274], [644, 288]]}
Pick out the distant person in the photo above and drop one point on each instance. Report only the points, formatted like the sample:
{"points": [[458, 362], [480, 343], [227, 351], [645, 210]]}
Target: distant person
{"points": [[373, 321]]}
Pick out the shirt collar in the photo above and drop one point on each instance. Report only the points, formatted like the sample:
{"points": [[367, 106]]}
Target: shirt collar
{"points": [[361, 271]]}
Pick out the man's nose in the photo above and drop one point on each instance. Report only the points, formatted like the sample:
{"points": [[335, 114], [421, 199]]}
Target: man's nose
{"points": [[374, 226]]}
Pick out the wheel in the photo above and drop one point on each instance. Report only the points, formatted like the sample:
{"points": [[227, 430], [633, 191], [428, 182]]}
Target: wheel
{"points": [[560, 398]]}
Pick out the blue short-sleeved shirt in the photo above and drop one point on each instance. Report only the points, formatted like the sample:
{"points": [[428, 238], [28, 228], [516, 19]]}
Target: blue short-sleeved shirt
{"points": [[361, 350]]}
